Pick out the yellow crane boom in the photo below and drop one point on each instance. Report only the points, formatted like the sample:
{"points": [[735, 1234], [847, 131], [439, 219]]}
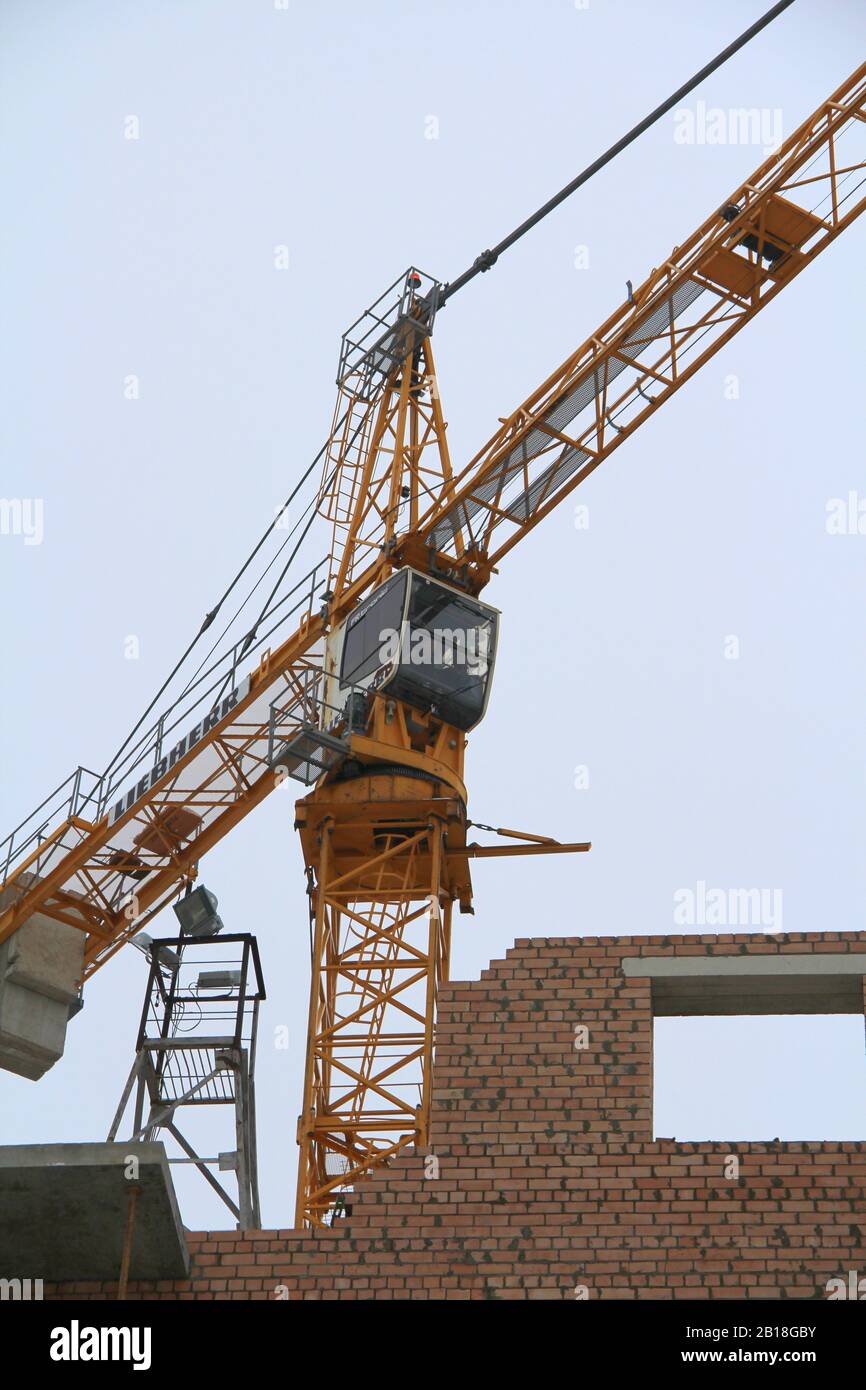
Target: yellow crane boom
{"points": [[384, 830]]}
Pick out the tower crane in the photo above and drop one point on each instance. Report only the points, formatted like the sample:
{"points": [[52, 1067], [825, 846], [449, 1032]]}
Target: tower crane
{"points": [[364, 677]]}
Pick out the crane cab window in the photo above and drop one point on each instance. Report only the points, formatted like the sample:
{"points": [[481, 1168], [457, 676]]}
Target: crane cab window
{"points": [[425, 643], [447, 653], [364, 649]]}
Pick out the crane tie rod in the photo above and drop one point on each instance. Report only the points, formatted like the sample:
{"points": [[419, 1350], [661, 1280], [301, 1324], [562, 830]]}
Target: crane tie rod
{"points": [[488, 258]]}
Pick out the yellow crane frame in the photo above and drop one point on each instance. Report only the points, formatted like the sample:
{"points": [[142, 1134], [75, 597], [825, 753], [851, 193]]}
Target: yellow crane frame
{"points": [[387, 855]]}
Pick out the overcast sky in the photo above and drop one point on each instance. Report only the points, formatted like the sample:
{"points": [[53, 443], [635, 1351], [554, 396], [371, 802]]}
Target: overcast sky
{"points": [[309, 127]]}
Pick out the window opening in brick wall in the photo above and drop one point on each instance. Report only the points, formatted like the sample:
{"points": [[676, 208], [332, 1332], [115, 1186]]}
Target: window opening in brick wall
{"points": [[772, 1077]]}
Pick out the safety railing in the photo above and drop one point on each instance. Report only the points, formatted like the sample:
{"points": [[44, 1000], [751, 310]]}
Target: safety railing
{"points": [[87, 796]]}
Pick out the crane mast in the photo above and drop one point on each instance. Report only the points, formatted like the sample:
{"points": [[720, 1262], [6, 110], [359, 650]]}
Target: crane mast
{"points": [[345, 696], [378, 833]]}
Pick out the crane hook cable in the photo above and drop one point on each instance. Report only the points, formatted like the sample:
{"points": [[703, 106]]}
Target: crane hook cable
{"points": [[487, 259]]}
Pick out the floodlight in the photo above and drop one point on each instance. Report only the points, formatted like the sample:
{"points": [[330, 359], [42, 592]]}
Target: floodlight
{"points": [[168, 960], [197, 913]]}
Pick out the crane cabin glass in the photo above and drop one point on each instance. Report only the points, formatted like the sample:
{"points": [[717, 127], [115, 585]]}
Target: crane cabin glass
{"points": [[424, 642]]}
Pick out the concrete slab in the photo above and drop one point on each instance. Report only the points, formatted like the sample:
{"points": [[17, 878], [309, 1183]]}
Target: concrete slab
{"points": [[685, 986], [63, 1213]]}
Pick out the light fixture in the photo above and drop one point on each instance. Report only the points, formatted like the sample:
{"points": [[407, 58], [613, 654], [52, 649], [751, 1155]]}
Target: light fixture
{"points": [[197, 913], [168, 960], [219, 979]]}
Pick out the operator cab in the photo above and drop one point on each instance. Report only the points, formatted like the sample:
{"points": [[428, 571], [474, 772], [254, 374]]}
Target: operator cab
{"points": [[423, 642]]}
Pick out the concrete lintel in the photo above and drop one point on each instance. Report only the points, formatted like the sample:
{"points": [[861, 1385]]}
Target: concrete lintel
{"points": [[753, 984], [843, 963]]}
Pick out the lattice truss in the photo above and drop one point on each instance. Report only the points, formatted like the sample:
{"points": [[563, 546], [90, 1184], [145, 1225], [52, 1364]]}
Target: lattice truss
{"points": [[800, 199], [115, 878], [387, 462], [381, 953]]}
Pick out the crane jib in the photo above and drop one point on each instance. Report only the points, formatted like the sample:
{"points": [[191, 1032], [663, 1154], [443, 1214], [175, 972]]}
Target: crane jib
{"points": [[180, 749]]}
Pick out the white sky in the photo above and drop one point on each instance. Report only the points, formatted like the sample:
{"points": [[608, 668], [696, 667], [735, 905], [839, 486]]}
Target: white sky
{"points": [[261, 127]]}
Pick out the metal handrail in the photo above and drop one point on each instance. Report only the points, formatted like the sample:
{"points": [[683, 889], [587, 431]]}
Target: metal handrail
{"points": [[76, 793]]}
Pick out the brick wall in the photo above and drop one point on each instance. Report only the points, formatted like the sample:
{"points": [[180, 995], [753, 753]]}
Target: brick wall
{"points": [[548, 1176]]}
